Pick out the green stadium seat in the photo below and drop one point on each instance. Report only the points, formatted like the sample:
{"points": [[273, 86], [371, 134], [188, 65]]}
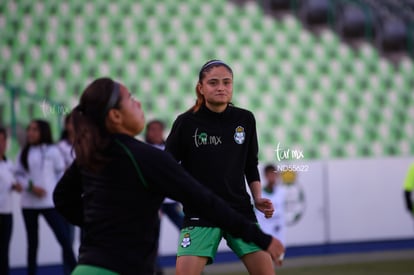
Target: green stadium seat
{"points": [[305, 90]]}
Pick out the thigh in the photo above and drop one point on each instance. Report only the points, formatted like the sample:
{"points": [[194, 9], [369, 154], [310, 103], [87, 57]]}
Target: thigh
{"points": [[92, 270], [259, 263], [190, 265], [57, 224], [31, 221], [199, 241], [240, 247], [54, 219], [6, 224]]}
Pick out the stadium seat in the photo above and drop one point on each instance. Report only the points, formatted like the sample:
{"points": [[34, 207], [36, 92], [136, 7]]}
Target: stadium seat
{"points": [[306, 90]]}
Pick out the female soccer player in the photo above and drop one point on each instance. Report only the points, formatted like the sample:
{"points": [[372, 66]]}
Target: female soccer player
{"points": [[217, 144], [116, 185]]}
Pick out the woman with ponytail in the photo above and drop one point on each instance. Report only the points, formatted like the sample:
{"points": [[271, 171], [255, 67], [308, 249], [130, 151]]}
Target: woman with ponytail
{"points": [[216, 143], [116, 185]]}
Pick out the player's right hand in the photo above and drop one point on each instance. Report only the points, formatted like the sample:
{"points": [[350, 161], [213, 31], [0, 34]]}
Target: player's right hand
{"points": [[277, 251]]}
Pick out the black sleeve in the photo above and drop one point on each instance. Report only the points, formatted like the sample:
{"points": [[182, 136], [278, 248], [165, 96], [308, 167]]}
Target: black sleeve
{"points": [[172, 144], [171, 180], [408, 202], [251, 171], [67, 195]]}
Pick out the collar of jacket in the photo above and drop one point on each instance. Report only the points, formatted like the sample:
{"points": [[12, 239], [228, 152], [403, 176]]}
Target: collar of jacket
{"points": [[206, 112]]}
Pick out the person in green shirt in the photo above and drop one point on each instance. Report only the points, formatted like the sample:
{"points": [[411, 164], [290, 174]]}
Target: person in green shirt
{"points": [[408, 188]]}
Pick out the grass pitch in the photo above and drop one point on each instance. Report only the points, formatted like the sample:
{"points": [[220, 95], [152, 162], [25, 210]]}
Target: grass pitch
{"points": [[383, 267]]}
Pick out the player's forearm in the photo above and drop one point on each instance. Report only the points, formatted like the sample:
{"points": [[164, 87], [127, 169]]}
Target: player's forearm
{"points": [[256, 189]]}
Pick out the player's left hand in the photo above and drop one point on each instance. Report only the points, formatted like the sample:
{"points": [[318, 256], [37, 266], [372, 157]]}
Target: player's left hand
{"points": [[265, 206]]}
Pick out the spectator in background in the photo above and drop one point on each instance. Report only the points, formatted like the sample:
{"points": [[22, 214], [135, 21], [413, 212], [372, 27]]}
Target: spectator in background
{"points": [[275, 192], [408, 189], [65, 146], [7, 186], [154, 136], [39, 167]]}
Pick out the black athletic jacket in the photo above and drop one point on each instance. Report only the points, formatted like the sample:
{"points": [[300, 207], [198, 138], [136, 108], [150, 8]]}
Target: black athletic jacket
{"points": [[220, 151], [118, 208]]}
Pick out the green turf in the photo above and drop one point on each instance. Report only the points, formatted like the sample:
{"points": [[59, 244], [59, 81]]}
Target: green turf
{"points": [[401, 267]]}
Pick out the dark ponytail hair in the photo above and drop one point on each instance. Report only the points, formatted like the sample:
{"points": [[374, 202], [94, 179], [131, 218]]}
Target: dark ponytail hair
{"points": [[91, 135], [45, 138], [206, 68]]}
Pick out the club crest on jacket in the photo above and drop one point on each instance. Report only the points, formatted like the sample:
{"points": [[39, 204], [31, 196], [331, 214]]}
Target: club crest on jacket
{"points": [[239, 135]]}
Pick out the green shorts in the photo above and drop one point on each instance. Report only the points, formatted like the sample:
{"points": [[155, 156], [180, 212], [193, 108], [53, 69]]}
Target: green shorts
{"points": [[204, 241], [91, 270]]}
